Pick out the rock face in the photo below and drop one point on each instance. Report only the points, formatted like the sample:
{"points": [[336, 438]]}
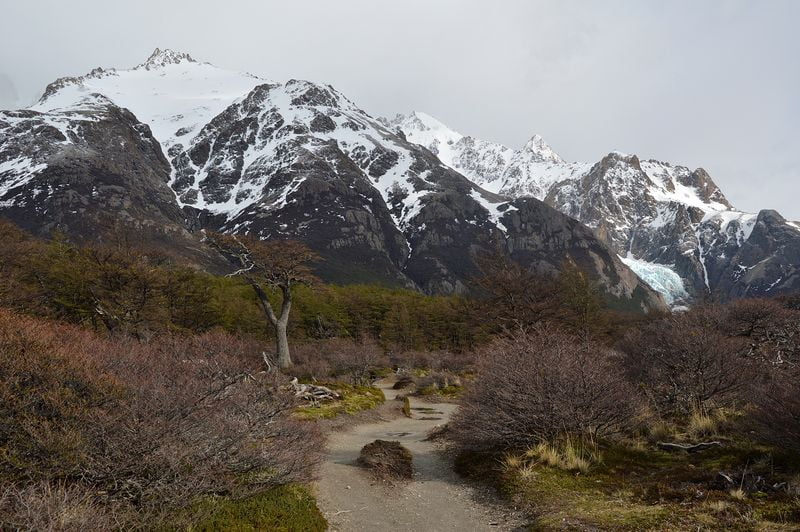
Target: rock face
{"points": [[179, 146], [86, 170], [670, 224]]}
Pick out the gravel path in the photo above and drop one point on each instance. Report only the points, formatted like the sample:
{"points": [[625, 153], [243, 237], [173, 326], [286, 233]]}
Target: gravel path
{"points": [[435, 500]]}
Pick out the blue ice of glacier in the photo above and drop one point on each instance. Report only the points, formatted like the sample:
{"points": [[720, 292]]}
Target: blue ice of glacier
{"points": [[661, 278]]}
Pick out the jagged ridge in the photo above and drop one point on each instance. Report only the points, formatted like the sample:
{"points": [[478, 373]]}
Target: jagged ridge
{"points": [[299, 159], [651, 212]]}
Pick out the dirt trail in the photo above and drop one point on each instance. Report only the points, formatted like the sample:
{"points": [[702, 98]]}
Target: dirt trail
{"points": [[435, 500]]}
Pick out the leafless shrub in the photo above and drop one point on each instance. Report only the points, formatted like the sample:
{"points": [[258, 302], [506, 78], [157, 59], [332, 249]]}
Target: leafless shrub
{"points": [[686, 362], [198, 421], [533, 387], [148, 425], [770, 331], [387, 460], [433, 360], [312, 361], [340, 358], [776, 398], [357, 361], [56, 507]]}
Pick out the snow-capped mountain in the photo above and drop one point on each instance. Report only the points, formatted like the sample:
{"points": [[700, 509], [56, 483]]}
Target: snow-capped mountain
{"points": [[184, 145], [669, 223], [528, 172]]}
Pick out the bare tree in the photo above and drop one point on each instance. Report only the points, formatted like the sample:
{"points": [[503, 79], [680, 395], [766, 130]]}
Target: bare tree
{"points": [[516, 297], [275, 264], [513, 296]]}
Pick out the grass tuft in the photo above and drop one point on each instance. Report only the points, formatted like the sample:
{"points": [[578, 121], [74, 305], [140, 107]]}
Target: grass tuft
{"points": [[738, 494], [406, 407], [702, 424], [569, 454]]}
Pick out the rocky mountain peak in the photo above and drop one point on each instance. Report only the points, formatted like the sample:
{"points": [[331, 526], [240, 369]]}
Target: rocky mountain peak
{"points": [[300, 159], [541, 150], [160, 58], [426, 121], [427, 129], [617, 157], [707, 190], [770, 216]]}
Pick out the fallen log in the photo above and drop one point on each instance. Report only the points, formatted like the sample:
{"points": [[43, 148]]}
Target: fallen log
{"points": [[688, 447], [313, 392]]}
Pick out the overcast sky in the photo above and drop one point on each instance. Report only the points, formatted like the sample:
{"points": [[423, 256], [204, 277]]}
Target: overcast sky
{"points": [[703, 83]]}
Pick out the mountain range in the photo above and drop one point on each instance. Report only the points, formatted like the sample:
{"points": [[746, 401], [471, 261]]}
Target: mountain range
{"points": [[672, 225], [174, 146]]}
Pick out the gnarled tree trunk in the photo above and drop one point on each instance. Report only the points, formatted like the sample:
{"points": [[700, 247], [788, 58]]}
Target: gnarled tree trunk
{"points": [[284, 357], [279, 323]]}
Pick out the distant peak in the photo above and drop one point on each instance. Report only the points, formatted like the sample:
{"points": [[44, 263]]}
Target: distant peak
{"points": [[428, 120], [419, 121], [541, 149], [160, 58], [615, 158], [621, 155]]}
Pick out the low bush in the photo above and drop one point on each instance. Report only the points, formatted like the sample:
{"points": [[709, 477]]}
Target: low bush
{"points": [[534, 387], [356, 363], [57, 506], [148, 426], [777, 409], [686, 362], [388, 460]]}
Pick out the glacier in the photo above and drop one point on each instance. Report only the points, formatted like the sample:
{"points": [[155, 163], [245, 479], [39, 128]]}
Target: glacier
{"points": [[661, 278]]}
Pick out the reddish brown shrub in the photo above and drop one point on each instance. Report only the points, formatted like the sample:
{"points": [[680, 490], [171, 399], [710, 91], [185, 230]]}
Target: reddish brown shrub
{"points": [[57, 507], [532, 387], [433, 360], [339, 358], [387, 459], [769, 330], [777, 408], [153, 425], [686, 361]]}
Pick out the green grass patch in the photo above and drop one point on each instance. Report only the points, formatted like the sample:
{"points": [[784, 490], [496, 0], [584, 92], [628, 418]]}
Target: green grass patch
{"points": [[290, 508], [354, 399], [641, 488], [445, 391], [382, 372]]}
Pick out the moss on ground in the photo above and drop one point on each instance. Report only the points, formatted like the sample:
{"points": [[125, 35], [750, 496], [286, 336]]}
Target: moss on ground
{"points": [[446, 391], [290, 508], [643, 489], [354, 399]]}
